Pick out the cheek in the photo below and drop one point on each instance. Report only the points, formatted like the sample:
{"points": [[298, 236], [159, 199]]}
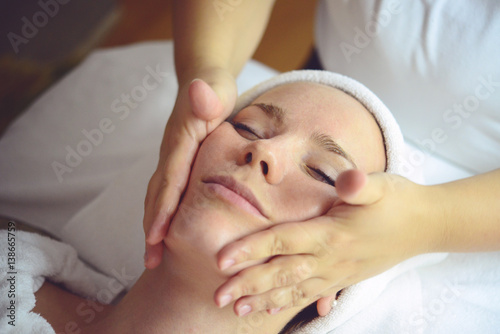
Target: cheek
{"points": [[220, 146], [302, 199], [217, 153]]}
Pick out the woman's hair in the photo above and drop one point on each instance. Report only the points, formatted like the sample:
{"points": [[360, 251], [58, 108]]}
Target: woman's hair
{"points": [[306, 315]]}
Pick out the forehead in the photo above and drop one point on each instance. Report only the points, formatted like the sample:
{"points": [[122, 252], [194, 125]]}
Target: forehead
{"points": [[311, 107], [302, 100]]}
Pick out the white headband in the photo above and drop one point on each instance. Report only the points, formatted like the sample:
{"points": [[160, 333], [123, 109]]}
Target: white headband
{"points": [[393, 139]]}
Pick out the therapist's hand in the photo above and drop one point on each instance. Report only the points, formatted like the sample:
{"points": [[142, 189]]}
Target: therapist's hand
{"points": [[378, 221], [200, 107]]}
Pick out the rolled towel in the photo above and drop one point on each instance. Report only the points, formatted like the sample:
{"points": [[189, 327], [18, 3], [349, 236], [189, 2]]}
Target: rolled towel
{"points": [[33, 259]]}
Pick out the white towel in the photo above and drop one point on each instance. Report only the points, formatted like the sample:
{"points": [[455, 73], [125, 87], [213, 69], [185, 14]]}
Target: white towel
{"points": [[32, 259]]}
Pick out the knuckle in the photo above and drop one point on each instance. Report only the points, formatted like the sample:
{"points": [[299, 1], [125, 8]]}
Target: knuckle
{"points": [[332, 241], [305, 269], [298, 295], [276, 245], [278, 298], [247, 288], [322, 250], [282, 278], [242, 250], [264, 304], [332, 237]]}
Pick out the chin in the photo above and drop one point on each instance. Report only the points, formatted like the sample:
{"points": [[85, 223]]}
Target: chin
{"points": [[204, 229]]}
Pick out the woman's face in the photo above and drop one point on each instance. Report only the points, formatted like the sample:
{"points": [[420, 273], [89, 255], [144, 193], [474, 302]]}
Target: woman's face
{"points": [[276, 162]]}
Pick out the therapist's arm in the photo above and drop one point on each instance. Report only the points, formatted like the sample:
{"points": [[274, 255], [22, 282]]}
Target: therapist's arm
{"points": [[468, 212], [212, 41], [207, 36]]}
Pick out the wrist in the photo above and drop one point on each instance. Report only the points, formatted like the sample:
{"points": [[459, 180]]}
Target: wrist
{"points": [[201, 67], [209, 73], [436, 218]]}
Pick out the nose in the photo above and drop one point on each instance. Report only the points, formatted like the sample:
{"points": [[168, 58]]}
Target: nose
{"points": [[266, 159]]}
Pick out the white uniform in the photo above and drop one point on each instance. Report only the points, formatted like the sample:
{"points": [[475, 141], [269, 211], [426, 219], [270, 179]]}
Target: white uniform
{"points": [[436, 64]]}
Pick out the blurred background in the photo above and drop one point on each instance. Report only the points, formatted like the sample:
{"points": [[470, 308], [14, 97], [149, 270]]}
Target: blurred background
{"points": [[44, 39]]}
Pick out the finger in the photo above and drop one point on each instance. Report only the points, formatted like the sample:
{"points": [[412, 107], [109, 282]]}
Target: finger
{"points": [[153, 255], [301, 294], [283, 239], [150, 256], [204, 102], [149, 203], [175, 177], [279, 272], [324, 305], [358, 188]]}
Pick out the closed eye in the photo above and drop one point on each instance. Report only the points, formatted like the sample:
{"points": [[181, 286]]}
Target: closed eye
{"points": [[319, 175], [248, 131]]}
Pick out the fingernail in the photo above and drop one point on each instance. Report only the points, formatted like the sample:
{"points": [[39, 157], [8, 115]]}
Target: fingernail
{"points": [[244, 310], [226, 264], [146, 257], [148, 236], [224, 300], [275, 310]]}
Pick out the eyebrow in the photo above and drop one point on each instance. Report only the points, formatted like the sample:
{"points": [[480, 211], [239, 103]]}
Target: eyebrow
{"points": [[320, 139], [328, 144], [274, 112]]}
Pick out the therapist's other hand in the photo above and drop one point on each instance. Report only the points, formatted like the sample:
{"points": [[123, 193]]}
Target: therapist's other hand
{"points": [[378, 221], [201, 106]]}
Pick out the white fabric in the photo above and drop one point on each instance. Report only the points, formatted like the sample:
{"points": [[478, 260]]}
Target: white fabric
{"points": [[458, 295], [393, 139], [38, 258], [107, 190], [434, 64]]}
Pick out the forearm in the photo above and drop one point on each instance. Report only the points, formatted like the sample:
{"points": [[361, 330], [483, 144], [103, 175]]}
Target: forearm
{"points": [[207, 35], [466, 213]]}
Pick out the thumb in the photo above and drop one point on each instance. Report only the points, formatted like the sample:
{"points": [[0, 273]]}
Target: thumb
{"points": [[324, 305], [205, 103], [358, 188]]}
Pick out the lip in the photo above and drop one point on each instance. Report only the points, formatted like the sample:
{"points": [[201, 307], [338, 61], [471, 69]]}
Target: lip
{"points": [[240, 193]]}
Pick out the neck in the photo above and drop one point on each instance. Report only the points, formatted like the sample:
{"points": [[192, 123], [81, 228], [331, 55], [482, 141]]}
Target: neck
{"points": [[169, 300]]}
